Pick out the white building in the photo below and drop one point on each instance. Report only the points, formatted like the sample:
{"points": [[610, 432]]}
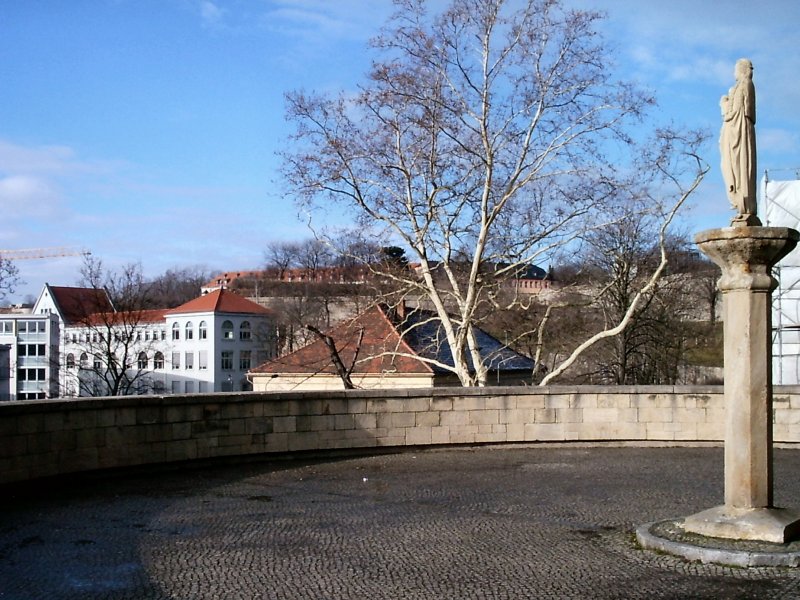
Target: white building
{"points": [[28, 357], [206, 345]]}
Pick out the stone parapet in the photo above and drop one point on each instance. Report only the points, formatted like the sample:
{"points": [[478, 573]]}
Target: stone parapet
{"points": [[52, 437]]}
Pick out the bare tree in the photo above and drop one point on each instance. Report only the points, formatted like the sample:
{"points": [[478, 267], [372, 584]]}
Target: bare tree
{"points": [[9, 277], [114, 343], [485, 139], [280, 256]]}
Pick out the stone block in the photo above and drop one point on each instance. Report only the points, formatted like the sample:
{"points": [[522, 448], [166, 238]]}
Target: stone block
{"points": [[655, 415], [89, 438], [501, 402], [715, 415], [32, 423], [314, 423], [656, 433], [569, 415], [786, 416], [276, 442], [515, 432], [14, 445], [284, 424], [440, 435], [545, 415], [55, 421], [260, 425], [304, 441], [533, 401], [302, 408], [419, 436], [516, 415], [427, 419], [441, 404], [377, 405], [583, 401], [344, 421], [689, 415], [403, 419], [454, 418], [500, 428], [467, 403], [613, 400], [146, 415], [275, 408], [600, 415], [391, 441], [125, 416], [711, 432], [483, 417], [462, 435], [490, 437], [334, 407], [541, 432], [356, 406], [365, 421]]}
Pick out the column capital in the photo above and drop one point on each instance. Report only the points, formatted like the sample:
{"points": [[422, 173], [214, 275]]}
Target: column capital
{"points": [[746, 255]]}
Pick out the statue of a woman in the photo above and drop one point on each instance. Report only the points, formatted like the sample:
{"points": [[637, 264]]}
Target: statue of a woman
{"points": [[737, 144]]}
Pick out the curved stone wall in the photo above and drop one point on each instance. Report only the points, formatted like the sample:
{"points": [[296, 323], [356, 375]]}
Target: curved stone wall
{"points": [[51, 437]]}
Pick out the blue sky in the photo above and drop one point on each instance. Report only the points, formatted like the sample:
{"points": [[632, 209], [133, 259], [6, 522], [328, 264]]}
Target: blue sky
{"points": [[146, 130]]}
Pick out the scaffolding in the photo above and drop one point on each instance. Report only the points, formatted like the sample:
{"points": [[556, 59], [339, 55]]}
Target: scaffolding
{"points": [[780, 207]]}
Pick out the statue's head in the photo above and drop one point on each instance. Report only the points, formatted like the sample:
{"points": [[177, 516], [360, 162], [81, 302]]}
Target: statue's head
{"points": [[744, 68]]}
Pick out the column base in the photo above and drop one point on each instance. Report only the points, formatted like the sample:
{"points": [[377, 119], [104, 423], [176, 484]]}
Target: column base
{"points": [[777, 525]]}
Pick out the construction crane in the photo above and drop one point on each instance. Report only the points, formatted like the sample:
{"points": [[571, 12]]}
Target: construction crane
{"points": [[36, 253]]}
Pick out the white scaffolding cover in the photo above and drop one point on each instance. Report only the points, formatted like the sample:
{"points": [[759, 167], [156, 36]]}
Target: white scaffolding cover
{"points": [[780, 207]]}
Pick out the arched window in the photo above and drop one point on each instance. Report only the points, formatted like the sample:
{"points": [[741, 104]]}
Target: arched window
{"points": [[202, 331], [227, 330], [189, 331], [176, 331], [158, 361], [244, 330], [84, 360], [70, 361], [142, 362]]}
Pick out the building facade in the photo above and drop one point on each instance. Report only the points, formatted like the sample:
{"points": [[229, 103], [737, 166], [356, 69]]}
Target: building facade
{"points": [[28, 357], [206, 345]]}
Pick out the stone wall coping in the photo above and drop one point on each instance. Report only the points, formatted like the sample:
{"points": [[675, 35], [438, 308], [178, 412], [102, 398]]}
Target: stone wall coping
{"points": [[25, 406]]}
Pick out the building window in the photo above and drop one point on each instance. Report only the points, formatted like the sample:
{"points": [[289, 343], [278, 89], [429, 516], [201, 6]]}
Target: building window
{"points": [[98, 364], [84, 360], [188, 387], [147, 336], [226, 362], [189, 332], [244, 330], [176, 360], [189, 358], [142, 362], [227, 330], [202, 359], [163, 334], [94, 336], [86, 337], [176, 331], [201, 331], [244, 360], [202, 387], [74, 338], [70, 361], [176, 387], [158, 387], [158, 361]]}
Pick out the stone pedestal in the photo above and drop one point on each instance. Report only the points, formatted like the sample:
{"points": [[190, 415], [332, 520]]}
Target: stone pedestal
{"points": [[746, 256]]}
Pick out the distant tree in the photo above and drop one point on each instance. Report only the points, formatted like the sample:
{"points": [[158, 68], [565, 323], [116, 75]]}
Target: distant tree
{"points": [[177, 286], [281, 256]]}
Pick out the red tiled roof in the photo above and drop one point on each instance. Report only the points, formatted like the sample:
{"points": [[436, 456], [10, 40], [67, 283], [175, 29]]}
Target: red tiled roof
{"points": [[75, 304], [221, 301], [380, 336], [129, 318]]}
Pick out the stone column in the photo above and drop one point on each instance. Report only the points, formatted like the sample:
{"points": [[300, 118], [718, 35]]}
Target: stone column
{"points": [[746, 256]]}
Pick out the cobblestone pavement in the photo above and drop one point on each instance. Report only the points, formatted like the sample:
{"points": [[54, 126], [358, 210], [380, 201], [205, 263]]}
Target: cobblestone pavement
{"points": [[488, 523]]}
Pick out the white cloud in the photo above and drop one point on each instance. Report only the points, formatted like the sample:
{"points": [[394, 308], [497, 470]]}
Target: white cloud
{"points": [[27, 196], [210, 12]]}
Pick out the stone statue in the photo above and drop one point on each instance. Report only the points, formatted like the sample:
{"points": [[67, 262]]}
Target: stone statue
{"points": [[737, 144]]}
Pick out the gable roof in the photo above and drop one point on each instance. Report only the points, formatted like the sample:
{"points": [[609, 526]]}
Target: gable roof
{"points": [[76, 304], [221, 301], [391, 345]]}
